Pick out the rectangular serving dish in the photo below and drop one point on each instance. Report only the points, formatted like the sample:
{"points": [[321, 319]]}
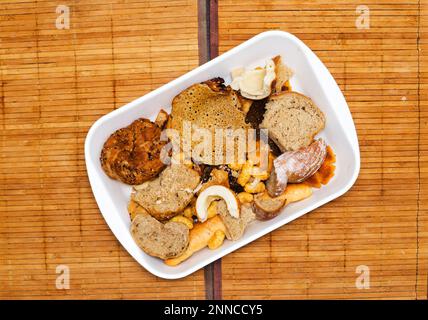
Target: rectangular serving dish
{"points": [[311, 78]]}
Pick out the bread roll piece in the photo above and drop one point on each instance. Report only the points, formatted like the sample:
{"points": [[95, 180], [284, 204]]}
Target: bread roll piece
{"points": [[198, 238], [164, 241], [292, 120], [283, 74], [161, 118], [267, 208], [295, 167], [235, 227]]}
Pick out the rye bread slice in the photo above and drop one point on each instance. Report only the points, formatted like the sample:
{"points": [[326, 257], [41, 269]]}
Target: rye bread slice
{"points": [[292, 120], [165, 241], [207, 106], [169, 193]]}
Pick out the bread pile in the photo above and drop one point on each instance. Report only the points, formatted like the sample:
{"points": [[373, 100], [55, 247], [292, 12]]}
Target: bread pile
{"points": [[180, 208]]}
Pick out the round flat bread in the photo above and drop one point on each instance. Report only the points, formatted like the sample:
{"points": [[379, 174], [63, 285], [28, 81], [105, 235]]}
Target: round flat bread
{"points": [[132, 154]]}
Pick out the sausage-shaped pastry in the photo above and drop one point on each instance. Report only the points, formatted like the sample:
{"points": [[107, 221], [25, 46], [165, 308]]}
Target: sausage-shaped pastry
{"points": [[295, 166]]}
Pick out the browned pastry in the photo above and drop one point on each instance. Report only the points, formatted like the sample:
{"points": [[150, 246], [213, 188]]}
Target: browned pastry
{"points": [[132, 154]]}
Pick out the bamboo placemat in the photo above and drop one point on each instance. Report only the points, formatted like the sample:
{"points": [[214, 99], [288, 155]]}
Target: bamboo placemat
{"points": [[55, 84], [423, 151], [382, 222]]}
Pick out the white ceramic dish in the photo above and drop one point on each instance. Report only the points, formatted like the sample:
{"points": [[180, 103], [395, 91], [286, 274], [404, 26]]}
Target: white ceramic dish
{"points": [[311, 78]]}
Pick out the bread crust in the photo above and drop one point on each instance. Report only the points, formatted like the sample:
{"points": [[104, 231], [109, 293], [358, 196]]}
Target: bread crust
{"points": [[295, 166], [266, 207], [273, 116], [164, 241]]}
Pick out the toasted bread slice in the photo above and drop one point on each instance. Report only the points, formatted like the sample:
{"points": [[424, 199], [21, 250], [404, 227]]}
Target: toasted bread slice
{"points": [[165, 241], [292, 120], [207, 106]]}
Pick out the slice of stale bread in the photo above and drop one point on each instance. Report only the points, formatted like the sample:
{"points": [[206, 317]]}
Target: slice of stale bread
{"points": [[165, 241], [208, 106], [235, 227], [292, 120], [169, 193]]}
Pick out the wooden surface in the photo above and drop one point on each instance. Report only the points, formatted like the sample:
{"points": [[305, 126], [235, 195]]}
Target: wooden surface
{"points": [[56, 83], [382, 221], [423, 153]]}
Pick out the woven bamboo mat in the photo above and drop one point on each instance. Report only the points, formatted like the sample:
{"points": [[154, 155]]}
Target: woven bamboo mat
{"points": [[423, 152], [382, 222], [56, 83]]}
